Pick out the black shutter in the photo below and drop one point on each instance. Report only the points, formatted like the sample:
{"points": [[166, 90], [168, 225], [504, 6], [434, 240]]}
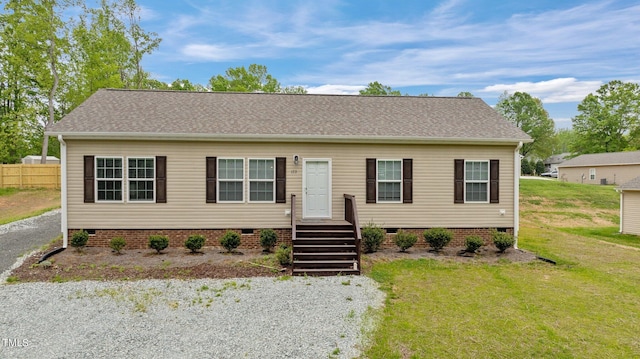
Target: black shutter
{"points": [[281, 180], [494, 181], [89, 182], [371, 180], [161, 179], [407, 180], [211, 179], [458, 181]]}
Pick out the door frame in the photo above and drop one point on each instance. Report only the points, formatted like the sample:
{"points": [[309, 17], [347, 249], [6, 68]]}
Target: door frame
{"points": [[329, 187]]}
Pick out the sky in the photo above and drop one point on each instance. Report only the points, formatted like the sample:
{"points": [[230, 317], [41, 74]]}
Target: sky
{"points": [[558, 51]]}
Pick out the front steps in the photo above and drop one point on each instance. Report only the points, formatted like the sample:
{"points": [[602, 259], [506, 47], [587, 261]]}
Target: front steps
{"points": [[327, 248]]}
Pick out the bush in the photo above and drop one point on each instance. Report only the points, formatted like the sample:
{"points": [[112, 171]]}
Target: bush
{"points": [[437, 238], [230, 241], [372, 237], [79, 239], [268, 239], [117, 243], [473, 243], [405, 240], [283, 254], [195, 242], [158, 242], [503, 240]]}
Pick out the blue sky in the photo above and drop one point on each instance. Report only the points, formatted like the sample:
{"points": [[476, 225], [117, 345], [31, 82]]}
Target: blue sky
{"points": [[558, 51]]}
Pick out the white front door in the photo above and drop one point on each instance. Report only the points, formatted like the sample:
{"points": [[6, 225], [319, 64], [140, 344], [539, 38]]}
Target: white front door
{"points": [[316, 202]]}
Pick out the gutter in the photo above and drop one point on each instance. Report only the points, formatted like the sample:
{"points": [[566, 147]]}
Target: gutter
{"points": [[516, 193], [63, 195]]}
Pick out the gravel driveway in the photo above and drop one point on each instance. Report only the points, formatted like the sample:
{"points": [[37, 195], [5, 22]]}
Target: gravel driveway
{"points": [[299, 317], [20, 237]]}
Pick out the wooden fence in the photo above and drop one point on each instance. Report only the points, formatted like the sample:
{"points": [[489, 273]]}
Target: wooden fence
{"points": [[30, 176]]}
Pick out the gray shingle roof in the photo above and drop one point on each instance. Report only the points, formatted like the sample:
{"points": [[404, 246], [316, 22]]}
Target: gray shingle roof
{"points": [[634, 184], [603, 159], [145, 113]]}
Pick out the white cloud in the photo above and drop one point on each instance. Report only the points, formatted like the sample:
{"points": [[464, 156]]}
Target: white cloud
{"points": [[557, 90], [335, 89]]}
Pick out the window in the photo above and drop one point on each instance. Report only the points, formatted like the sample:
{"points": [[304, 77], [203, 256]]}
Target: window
{"points": [[230, 179], [592, 174], [141, 178], [261, 180], [476, 179], [389, 180], [109, 178]]}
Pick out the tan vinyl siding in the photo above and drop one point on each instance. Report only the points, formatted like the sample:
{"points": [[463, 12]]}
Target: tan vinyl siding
{"points": [[186, 205], [618, 174], [631, 212]]}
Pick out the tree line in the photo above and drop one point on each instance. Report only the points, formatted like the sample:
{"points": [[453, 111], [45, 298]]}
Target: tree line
{"points": [[50, 62]]}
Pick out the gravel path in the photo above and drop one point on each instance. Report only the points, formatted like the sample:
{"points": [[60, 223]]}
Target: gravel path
{"points": [[299, 317], [20, 237]]}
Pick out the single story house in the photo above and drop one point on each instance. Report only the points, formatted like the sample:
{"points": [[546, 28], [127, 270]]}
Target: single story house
{"points": [[630, 207], [141, 162], [601, 168], [551, 163]]}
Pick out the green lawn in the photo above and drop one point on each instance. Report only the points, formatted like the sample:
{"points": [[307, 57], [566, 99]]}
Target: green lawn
{"points": [[587, 306]]}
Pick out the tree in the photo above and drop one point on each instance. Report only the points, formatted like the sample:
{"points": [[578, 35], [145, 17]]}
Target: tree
{"points": [[186, 85], [563, 140], [528, 113], [141, 42], [465, 94], [378, 89], [239, 79], [539, 167], [294, 90], [608, 121]]}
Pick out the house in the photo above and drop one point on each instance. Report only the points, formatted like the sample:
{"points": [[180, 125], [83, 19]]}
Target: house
{"points": [[601, 168], [551, 163], [630, 207], [141, 162]]}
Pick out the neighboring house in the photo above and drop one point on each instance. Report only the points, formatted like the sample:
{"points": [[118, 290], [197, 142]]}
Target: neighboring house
{"points": [[138, 162], [630, 207], [35, 160], [552, 162], [601, 168]]}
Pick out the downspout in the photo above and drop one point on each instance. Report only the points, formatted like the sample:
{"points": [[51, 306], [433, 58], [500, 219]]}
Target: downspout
{"points": [[516, 193], [63, 194], [621, 207]]}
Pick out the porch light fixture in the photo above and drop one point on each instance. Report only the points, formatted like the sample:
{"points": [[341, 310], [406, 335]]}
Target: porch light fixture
{"points": [[296, 159]]}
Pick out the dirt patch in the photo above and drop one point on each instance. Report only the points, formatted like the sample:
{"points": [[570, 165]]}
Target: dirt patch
{"points": [[26, 202], [95, 263]]}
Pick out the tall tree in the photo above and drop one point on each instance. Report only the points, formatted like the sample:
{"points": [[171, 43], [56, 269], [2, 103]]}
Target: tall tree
{"points": [[563, 140], [528, 113], [240, 79], [141, 43], [608, 121], [377, 89], [465, 94]]}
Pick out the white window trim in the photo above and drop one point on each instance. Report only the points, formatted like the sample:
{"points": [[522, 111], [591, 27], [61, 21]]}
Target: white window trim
{"points": [[488, 180], [592, 174], [155, 189], [244, 171], [389, 181], [249, 180], [121, 179]]}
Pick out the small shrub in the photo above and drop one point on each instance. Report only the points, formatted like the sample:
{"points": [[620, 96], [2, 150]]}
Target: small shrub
{"points": [[268, 239], [437, 238], [230, 241], [158, 242], [283, 254], [405, 240], [79, 239], [372, 237], [473, 243], [117, 243], [195, 242], [503, 240]]}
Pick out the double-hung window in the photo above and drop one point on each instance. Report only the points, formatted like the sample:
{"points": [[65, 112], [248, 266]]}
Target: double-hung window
{"points": [[262, 182], [141, 178], [389, 180], [592, 174], [109, 179], [476, 177], [231, 179]]}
